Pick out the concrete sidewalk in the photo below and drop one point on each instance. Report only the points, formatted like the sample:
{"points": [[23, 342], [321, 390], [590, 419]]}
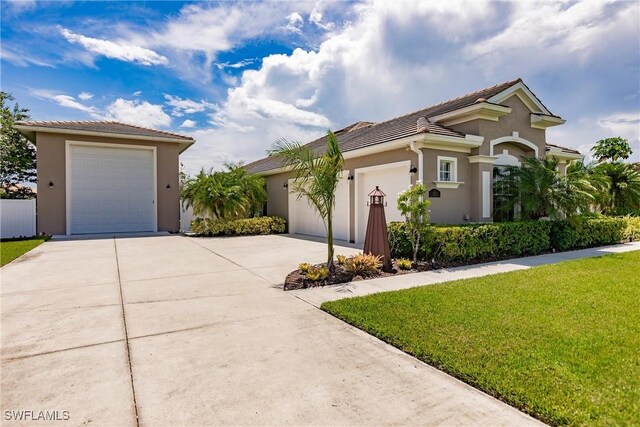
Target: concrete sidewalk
{"points": [[317, 296]]}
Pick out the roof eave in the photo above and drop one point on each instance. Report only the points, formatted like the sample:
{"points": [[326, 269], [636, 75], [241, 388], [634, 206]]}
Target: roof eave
{"points": [[30, 133]]}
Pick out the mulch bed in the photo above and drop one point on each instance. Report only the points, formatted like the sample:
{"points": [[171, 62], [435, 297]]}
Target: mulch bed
{"points": [[297, 280]]}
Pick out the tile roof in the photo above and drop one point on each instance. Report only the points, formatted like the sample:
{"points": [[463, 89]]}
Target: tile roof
{"points": [[105, 127], [563, 149], [365, 134]]}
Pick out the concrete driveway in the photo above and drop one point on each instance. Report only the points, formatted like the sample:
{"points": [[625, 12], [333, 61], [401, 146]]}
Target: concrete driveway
{"points": [[170, 330]]}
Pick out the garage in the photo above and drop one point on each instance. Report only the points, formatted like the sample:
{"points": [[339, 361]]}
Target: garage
{"points": [[111, 189], [105, 177], [303, 218], [392, 178]]}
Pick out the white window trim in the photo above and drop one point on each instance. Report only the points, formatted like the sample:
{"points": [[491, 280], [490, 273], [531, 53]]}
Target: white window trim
{"points": [[69, 143], [454, 183], [454, 168]]}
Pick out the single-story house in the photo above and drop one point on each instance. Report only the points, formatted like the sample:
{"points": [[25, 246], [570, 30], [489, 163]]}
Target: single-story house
{"points": [[452, 147], [105, 177]]}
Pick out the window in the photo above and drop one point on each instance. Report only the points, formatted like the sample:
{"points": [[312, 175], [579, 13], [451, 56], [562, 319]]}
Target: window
{"points": [[447, 169]]}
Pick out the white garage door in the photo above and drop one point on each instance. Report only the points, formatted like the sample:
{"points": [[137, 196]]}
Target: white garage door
{"points": [[392, 179], [303, 218], [111, 189]]}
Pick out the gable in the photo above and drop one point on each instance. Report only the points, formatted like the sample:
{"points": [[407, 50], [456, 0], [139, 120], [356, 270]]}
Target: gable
{"points": [[525, 95]]}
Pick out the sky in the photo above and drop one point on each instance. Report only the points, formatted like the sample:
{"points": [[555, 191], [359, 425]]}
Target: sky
{"points": [[237, 76]]}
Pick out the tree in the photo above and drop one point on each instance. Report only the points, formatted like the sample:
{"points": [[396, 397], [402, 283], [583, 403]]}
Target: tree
{"points": [[612, 149], [540, 191], [315, 177], [229, 194], [17, 154], [619, 185], [415, 209]]}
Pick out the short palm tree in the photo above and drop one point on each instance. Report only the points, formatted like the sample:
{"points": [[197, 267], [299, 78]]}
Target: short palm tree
{"points": [[316, 178], [229, 194], [541, 191], [620, 188]]}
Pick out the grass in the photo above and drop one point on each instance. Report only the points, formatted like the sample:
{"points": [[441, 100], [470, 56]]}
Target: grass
{"points": [[560, 342], [12, 249]]}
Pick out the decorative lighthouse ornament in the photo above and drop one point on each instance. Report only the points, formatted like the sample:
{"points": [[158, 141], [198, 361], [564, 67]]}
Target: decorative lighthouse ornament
{"points": [[376, 239]]}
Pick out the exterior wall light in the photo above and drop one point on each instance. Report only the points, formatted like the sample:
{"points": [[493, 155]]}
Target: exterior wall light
{"points": [[350, 177], [285, 185], [168, 186], [50, 184], [413, 168]]}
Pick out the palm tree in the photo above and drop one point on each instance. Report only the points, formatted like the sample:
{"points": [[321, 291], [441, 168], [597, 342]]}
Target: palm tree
{"points": [[316, 178], [620, 188], [540, 191], [229, 194]]}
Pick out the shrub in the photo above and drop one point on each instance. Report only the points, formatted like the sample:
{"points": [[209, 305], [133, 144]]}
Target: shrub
{"points": [[363, 265], [404, 263], [317, 273], [632, 228], [238, 227], [304, 267], [580, 232], [341, 259]]}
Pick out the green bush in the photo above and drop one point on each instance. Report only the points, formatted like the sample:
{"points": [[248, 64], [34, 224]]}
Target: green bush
{"points": [[579, 233], [238, 227], [632, 228], [478, 242]]}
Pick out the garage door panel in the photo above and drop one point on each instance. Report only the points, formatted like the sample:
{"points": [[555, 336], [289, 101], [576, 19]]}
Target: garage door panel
{"points": [[304, 219], [112, 189], [392, 181]]}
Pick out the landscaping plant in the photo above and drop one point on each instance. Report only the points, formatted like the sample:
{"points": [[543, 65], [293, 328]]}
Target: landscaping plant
{"points": [[315, 274], [238, 227], [304, 267], [364, 265], [316, 178], [541, 191], [404, 263], [415, 209], [229, 194], [341, 259]]}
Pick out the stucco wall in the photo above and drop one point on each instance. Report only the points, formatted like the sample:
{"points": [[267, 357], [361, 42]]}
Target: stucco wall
{"points": [[51, 202], [453, 203]]}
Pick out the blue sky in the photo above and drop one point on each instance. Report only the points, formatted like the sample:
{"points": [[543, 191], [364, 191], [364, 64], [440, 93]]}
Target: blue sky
{"points": [[239, 75]]}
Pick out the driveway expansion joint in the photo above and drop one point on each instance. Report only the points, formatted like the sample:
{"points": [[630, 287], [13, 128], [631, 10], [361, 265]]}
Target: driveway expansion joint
{"points": [[126, 336]]}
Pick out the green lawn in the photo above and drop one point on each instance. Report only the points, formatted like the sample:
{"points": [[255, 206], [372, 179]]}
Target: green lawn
{"points": [[561, 342], [12, 249]]}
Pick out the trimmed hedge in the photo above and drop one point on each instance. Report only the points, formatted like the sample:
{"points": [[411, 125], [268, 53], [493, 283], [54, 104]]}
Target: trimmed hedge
{"points": [[238, 227], [478, 242]]}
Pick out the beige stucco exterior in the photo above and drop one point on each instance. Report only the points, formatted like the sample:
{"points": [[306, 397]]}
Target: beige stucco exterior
{"points": [[505, 140], [51, 160]]}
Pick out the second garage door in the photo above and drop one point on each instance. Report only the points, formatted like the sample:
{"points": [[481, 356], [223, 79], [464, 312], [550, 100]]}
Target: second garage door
{"points": [[392, 179], [111, 189], [303, 218]]}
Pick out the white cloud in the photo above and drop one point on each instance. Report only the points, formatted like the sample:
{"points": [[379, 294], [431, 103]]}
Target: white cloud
{"points": [[188, 124], [137, 93], [316, 17], [19, 58], [121, 51], [85, 96], [66, 101], [186, 106], [138, 113], [236, 65], [395, 57], [294, 23]]}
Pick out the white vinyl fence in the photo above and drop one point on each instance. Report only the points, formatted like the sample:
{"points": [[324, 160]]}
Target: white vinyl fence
{"points": [[17, 218], [186, 216]]}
